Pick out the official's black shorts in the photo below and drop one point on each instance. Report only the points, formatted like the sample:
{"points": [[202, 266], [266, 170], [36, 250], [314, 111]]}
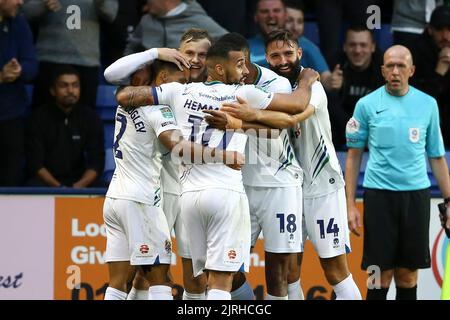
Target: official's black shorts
{"points": [[396, 229]]}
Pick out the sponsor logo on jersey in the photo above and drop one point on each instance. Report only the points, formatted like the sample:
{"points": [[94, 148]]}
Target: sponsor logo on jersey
{"points": [[331, 181], [164, 124], [352, 126], [414, 135]]}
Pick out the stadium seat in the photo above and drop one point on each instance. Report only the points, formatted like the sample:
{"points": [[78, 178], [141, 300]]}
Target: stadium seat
{"points": [[106, 102]]}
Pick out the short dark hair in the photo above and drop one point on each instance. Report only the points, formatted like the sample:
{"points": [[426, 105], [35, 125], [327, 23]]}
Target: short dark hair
{"points": [[63, 70], [280, 35], [295, 4], [360, 28], [195, 34], [222, 47], [158, 65], [237, 39]]}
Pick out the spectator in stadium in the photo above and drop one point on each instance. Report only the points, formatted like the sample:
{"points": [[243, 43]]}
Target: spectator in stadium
{"points": [[18, 65], [276, 14], [330, 16], [399, 124], [356, 74], [432, 58], [69, 34], [167, 21], [409, 19], [65, 146]]}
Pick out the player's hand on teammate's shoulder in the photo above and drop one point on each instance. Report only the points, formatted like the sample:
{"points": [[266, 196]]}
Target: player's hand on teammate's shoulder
{"points": [[241, 110], [308, 76], [354, 219], [174, 56]]}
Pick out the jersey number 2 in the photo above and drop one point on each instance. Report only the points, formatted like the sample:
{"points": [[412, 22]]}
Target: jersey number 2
{"points": [[123, 125]]}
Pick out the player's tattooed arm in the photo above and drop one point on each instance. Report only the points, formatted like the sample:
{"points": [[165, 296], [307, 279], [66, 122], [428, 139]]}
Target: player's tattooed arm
{"points": [[133, 97]]}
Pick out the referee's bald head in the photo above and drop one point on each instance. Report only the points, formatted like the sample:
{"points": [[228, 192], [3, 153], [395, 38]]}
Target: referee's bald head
{"points": [[398, 52]]}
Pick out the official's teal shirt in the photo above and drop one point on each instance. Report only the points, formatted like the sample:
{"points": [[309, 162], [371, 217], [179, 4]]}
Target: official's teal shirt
{"points": [[400, 132]]}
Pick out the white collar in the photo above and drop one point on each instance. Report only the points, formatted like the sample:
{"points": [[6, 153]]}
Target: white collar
{"points": [[177, 10]]}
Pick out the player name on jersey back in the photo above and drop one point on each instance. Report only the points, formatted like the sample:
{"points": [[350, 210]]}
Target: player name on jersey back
{"points": [[138, 153]]}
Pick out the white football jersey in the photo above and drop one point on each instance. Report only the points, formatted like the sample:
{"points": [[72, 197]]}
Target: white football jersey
{"points": [[315, 150], [271, 162], [170, 174], [188, 101], [138, 153]]}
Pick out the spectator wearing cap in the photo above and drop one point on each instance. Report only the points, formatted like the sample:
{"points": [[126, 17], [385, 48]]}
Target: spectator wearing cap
{"points": [[432, 59]]}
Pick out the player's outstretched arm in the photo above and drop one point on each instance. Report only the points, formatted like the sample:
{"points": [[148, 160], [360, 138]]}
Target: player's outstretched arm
{"points": [[352, 167], [194, 153], [120, 71], [298, 101], [133, 97]]}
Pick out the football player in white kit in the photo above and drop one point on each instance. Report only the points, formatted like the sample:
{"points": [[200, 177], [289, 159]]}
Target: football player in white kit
{"points": [[213, 197], [272, 178], [194, 45], [137, 229], [324, 204]]}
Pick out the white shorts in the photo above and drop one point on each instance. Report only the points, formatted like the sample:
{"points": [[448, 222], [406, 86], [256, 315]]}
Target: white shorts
{"points": [[172, 210], [218, 226], [136, 232], [277, 212], [325, 224]]}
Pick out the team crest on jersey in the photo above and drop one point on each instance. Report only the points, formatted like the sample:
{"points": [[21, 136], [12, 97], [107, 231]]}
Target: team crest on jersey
{"points": [[166, 112], [414, 135], [352, 126]]}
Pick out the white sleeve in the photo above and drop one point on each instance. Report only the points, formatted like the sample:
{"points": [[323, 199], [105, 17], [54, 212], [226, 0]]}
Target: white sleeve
{"points": [[256, 97], [161, 118], [166, 93], [119, 73], [280, 85], [317, 95]]}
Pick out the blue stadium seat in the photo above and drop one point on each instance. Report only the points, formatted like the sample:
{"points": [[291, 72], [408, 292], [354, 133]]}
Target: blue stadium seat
{"points": [[312, 32], [106, 102], [108, 129], [383, 37]]}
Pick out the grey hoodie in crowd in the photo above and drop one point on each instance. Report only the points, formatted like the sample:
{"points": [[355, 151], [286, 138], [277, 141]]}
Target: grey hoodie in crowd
{"points": [[162, 32], [58, 42], [412, 15]]}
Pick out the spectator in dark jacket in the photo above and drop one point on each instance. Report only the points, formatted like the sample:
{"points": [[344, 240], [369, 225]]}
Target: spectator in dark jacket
{"points": [[65, 142], [432, 60], [359, 74], [17, 65]]}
